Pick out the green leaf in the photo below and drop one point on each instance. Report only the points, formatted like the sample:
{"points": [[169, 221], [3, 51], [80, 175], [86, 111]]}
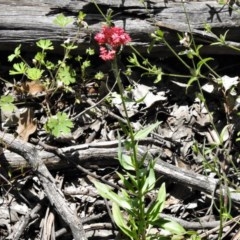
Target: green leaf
{"points": [[207, 27], [34, 73], [90, 51], [203, 62], [121, 223], [191, 80], [156, 208], [40, 56], [66, 75], [133, 60], [17, 53], [106, 192], [224, 135], [69, 45], [161, 196], [85, 65], [190, 54], [63, 21], [99, 76], [159, 75], [6, 103], [19, 68], [144, 132], [45, 44], [158, 35], [132, 180], [49, 65], [59, 124], [81, 16], [126, 162], [150, 181], [173, 227], [221, 39]]}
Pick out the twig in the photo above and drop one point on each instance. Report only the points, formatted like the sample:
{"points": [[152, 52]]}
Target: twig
{"points": [[192, 225], [203, 235]]}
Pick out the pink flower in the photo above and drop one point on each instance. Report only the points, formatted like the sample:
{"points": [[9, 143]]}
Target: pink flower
{"points": [[111, 36], [100, 38], [107, 55]]}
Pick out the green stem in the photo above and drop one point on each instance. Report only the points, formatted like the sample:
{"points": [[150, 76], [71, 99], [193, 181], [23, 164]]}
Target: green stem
{"points": [[176, 55], [140, 206]]}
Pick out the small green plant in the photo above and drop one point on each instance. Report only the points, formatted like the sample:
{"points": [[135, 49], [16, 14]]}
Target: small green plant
{"points": [[214, 152], [130, 212], [51, 77], [59, 124]]}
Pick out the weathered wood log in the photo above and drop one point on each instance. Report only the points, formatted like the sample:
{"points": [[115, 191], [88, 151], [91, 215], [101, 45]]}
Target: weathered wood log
{"points": [[28, 21]]}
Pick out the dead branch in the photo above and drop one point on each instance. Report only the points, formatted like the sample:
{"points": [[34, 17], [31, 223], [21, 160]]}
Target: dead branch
{"points": [[101, 154]]}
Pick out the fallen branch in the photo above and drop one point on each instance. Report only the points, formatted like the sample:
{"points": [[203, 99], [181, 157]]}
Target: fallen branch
{"points": [[101, 154]]}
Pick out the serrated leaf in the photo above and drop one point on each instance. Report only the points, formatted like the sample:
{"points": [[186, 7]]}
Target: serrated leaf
{"points": [[62, 21], [144, 132], [40, 56], [69, 46], [66, 75], [16, 54], [19, 68], [45, 44], [34, 73], [59, 124]]}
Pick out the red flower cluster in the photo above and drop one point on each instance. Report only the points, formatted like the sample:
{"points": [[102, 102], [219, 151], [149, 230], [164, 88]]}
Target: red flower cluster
{"points": [[109, 39]]}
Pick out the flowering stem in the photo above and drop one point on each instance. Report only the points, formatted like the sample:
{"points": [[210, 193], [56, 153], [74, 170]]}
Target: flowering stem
{"points": [[140, 208], [121, 90]]}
